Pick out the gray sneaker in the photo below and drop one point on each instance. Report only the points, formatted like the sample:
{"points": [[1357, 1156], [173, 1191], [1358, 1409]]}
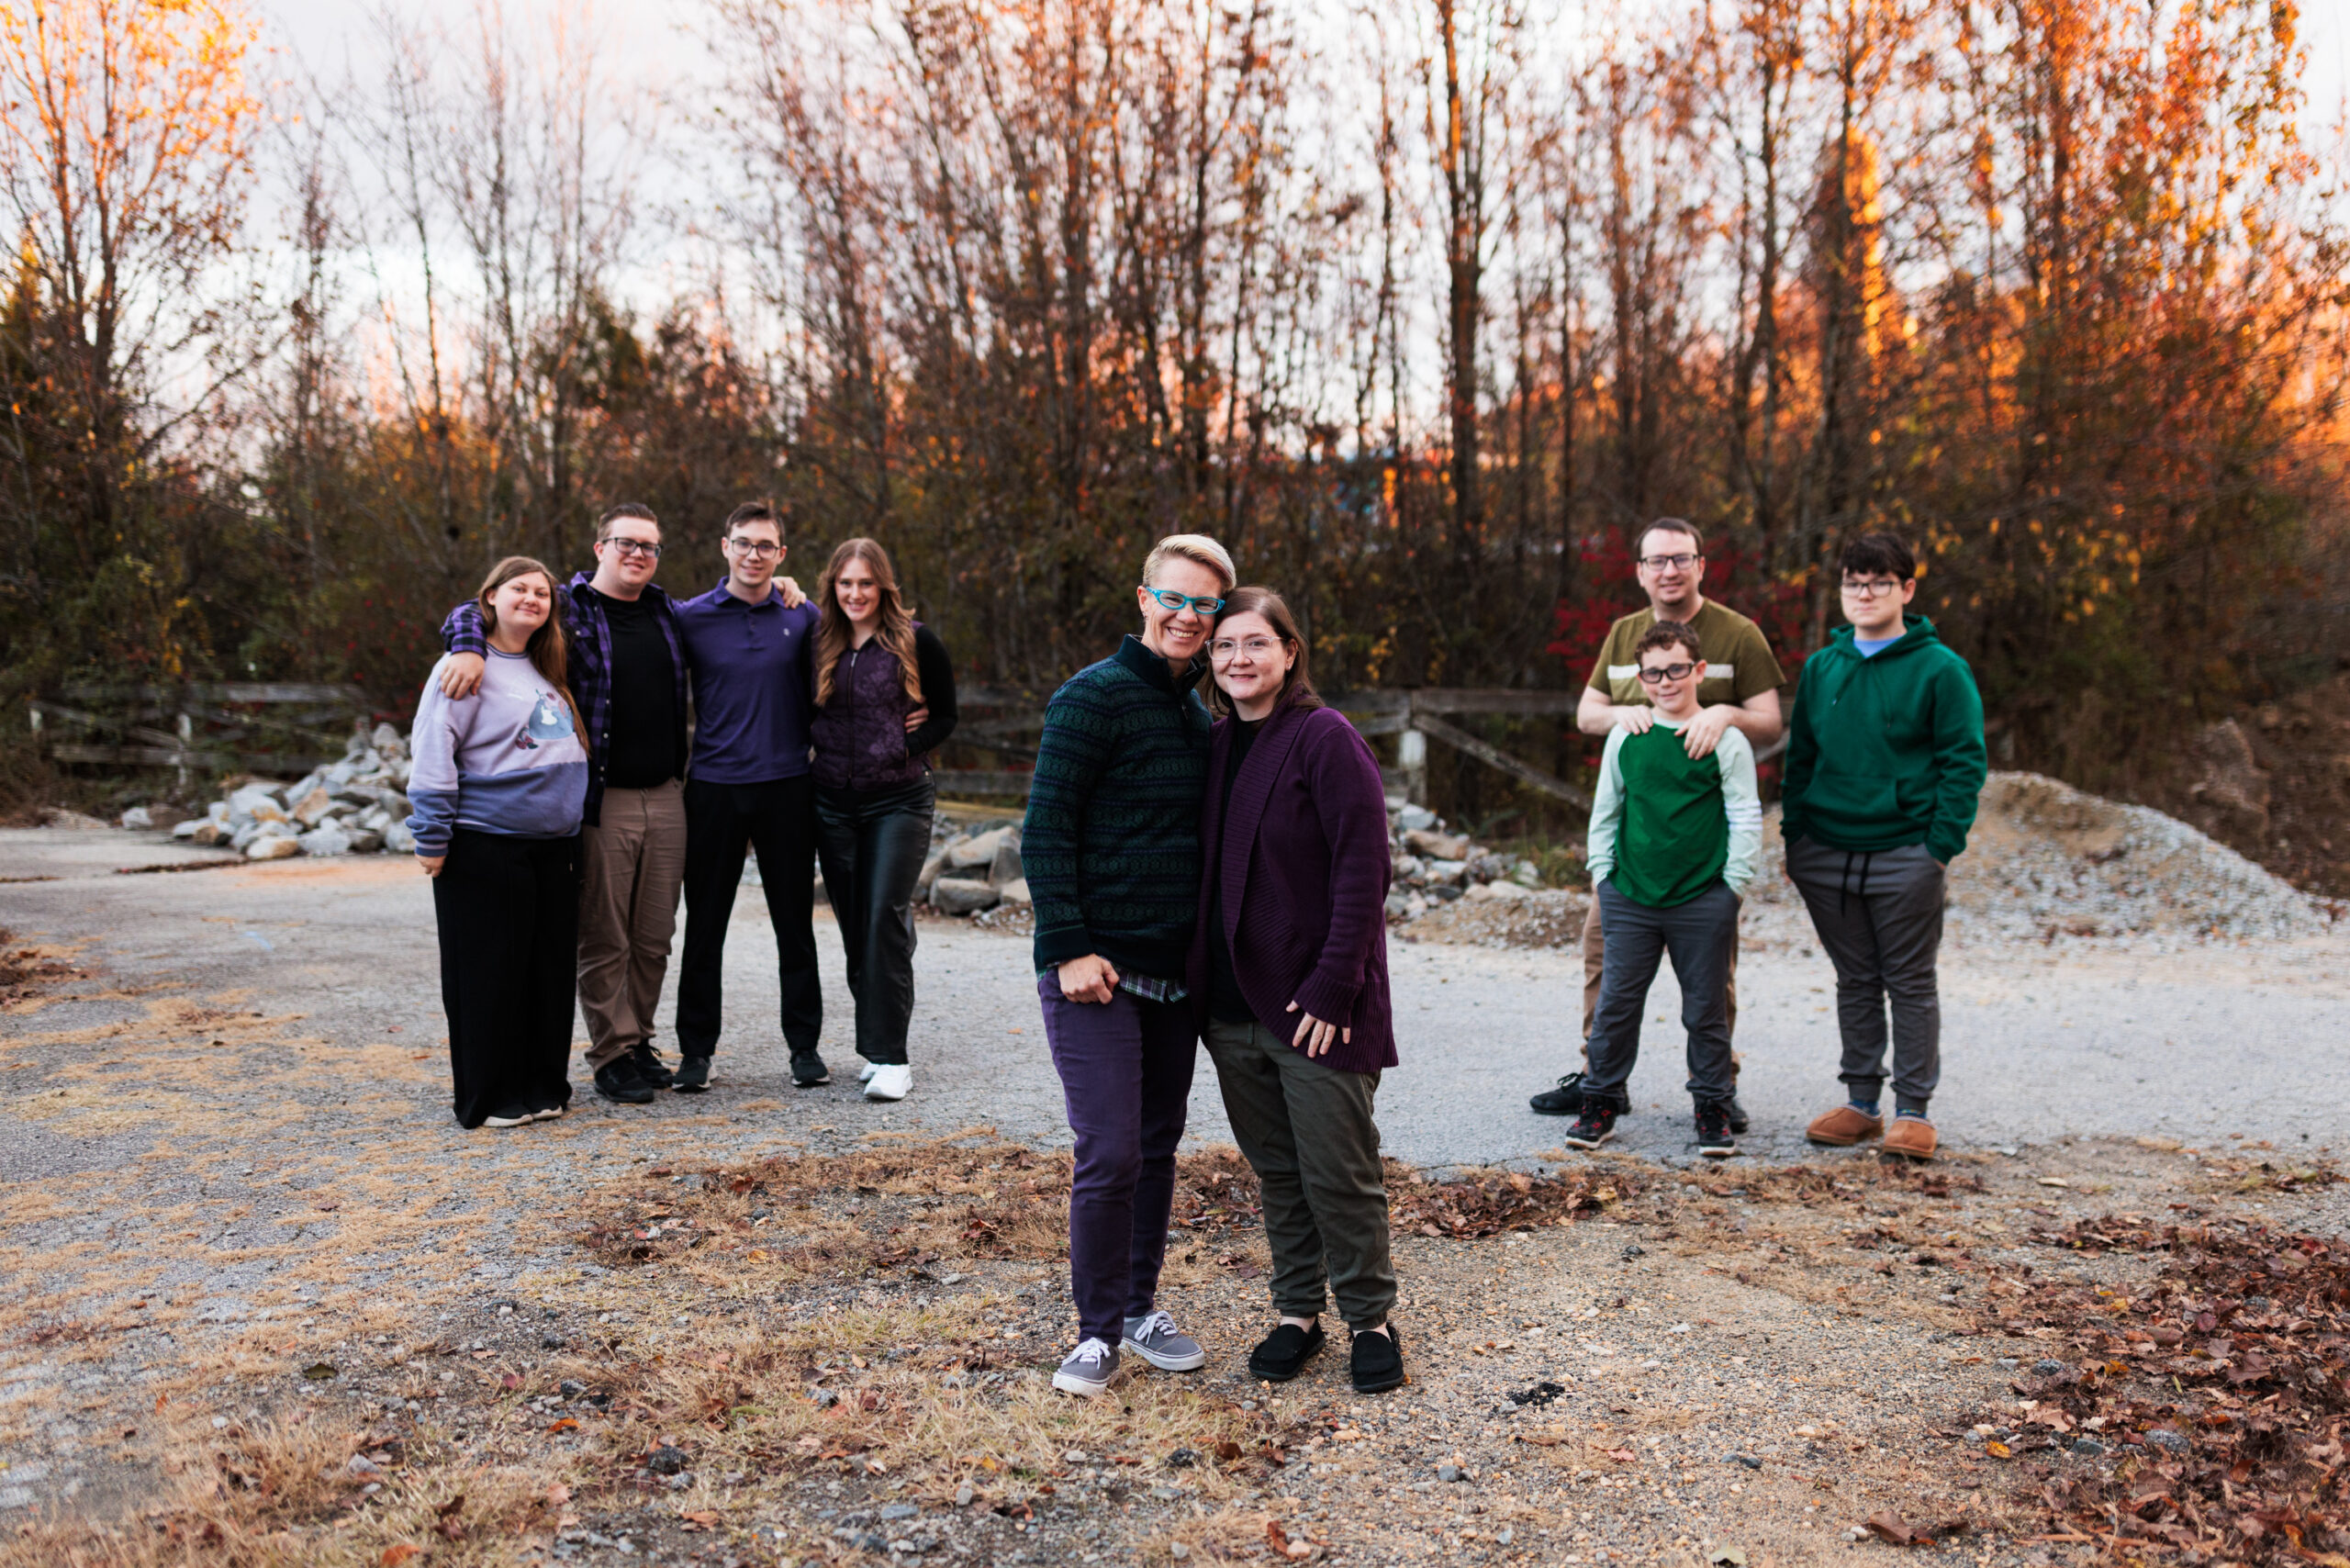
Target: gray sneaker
{"points": [[1155, 1338], [1091, 1369]]}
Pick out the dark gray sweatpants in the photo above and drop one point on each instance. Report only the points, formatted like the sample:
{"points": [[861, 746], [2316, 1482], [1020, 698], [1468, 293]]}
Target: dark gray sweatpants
{"points": [[1880, 918], [1701, 935]]}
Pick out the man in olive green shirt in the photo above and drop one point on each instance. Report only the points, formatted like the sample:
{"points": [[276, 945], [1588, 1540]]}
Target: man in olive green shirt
{"points": [[1740, 690]]}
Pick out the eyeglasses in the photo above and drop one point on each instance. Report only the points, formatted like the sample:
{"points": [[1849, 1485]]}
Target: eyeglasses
{"points": [[756, 550], [1652, 673], [1205, 603], [634, 546], [1659, 563], [1872, 588], [1255, 647]]}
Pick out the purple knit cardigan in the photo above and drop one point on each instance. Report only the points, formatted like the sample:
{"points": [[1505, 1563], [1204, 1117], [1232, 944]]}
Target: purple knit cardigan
{"points": [[1304, 865]]}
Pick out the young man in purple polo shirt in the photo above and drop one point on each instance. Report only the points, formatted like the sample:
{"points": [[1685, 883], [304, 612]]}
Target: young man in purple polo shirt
{"points": [[749, 789]]}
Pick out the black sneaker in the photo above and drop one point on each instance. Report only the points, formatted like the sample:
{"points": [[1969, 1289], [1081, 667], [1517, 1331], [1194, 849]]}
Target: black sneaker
{"points": [[648, 1065], [1736, 1112], [1713, 1132], [1593, 1127], [1283, 1353], [807, 1069], [692, 1075], [619, 1080], [1566, 1100], [1378, 1361]]}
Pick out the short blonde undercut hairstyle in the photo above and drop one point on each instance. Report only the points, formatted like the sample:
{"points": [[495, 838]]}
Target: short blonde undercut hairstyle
{"points": [[1196, 548]]}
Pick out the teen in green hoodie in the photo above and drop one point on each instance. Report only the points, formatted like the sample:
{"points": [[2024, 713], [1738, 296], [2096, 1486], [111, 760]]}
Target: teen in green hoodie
{"points": [[1885, 766]]}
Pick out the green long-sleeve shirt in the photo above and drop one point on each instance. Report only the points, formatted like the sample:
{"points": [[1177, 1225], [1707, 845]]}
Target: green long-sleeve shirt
{"points": [[1665, 826]]}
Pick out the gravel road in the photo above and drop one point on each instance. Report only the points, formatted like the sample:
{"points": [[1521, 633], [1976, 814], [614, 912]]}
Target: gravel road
{"points": [[2039, 1044]]}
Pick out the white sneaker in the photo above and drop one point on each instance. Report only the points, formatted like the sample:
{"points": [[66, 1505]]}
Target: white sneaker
{"points": [[1091, 1369], [893, 1083], [867, 1076]]}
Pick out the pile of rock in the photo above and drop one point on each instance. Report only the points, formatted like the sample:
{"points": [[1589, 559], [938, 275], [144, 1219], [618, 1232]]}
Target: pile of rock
{"points": [[355, 806], [1433, 867], [973, 867]]}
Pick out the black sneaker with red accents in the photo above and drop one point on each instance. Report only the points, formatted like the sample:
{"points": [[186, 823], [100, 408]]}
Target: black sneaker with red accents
{"points": [[1714, 1140], [1593, 1127]]}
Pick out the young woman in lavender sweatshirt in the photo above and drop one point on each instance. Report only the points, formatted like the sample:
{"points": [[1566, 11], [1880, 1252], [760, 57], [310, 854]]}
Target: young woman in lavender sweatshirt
{"points": [[497, 788], [1288, 974]]}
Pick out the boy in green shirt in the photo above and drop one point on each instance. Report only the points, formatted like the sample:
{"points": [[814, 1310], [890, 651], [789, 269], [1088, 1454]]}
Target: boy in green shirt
{"points": [[1673, 842], [1885, 769]]}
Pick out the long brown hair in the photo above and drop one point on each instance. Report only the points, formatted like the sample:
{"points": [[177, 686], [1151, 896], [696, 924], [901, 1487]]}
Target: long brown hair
{"points": [[547, 651], [896, 631], [1297, 687]]}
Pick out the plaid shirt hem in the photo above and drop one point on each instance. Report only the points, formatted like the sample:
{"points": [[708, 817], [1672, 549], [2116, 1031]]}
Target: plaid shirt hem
{"points": [[1147, 987]]}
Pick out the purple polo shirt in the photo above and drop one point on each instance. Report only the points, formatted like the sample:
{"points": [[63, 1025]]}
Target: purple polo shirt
{"points": [[750, 665]]}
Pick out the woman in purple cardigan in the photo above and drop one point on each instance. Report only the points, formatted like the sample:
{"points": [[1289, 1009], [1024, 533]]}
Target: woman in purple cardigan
{"points": [[1289, 972]]}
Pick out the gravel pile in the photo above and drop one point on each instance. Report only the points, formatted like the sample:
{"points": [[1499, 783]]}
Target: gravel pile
{"points": [[357, 805], [2046, 863]]}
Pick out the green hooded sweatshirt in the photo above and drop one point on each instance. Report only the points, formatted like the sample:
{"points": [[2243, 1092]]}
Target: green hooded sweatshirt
{"points": [[1886, 751]]}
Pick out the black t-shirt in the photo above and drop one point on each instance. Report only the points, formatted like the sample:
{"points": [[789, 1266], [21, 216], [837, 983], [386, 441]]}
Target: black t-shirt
{"points": [[1225, 1004], [644, 700]]}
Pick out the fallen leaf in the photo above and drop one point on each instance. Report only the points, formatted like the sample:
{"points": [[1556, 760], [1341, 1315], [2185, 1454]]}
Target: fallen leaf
{"points": [[451, 1506], [509, 1380], [565, 1425], [558, 1495], [318, 1371], [397, 1553], [1228, 1451], [1621, 1456], [1889, 1525], [1998, 1449]]}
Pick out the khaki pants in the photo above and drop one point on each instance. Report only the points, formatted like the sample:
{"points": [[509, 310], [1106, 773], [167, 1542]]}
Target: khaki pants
{"points": [[1594, 957], [631, 864]]}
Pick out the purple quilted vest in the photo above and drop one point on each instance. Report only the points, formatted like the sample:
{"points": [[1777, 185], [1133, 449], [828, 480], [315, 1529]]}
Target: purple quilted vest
{"points": [[860, 734]]}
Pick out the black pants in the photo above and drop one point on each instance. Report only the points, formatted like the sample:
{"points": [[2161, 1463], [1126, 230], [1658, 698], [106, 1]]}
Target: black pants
{"points": [[723, 823], [508, 911], [872, 844]]}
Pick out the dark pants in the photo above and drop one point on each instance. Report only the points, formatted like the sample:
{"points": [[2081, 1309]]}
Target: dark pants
{"points": [[872, 844], [1880, 919], [1699, 935], [723, 823], [1307, 1132], [508, 914], [1125, 1069]]}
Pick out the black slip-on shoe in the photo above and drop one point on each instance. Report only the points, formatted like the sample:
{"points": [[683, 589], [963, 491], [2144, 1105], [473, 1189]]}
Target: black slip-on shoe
{"points": [[649, 1066], [1283, 1353], [692, 1075], [1378, 1361], [618, 1079], [1566, 1100], [807, 1069]]}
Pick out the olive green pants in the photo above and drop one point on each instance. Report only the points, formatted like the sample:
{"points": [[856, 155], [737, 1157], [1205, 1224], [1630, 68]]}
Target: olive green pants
{"points": [[1306, 1130]]}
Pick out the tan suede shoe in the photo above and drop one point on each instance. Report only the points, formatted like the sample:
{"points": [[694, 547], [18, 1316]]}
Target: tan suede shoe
{"points": [[1843, 1127], [1912, 1137]]}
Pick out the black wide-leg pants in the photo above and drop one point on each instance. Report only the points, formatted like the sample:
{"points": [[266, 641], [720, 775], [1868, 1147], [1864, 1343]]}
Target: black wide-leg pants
{"points": [[509, 915]]}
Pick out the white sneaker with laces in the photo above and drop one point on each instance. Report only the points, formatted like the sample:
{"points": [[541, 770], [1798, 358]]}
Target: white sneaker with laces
{"points": [[1090, 1370], [867, 1076], [892, 1083], [1156, 1339]]}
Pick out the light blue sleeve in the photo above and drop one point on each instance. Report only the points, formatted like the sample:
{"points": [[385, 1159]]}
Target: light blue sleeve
{"points": [[433, 767], [1742, 801], [1606, 812]]}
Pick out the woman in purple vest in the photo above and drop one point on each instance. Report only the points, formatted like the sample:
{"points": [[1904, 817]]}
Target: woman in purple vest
{"points": [[885, 700], [1288, 974]]}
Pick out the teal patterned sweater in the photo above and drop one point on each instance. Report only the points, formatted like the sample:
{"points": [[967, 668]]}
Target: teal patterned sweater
{"points": [[1111, 844]]}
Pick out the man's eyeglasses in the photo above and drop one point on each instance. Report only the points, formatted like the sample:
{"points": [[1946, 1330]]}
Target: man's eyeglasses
{"points": [[635, 546], [1255, 647], [1872, 588], [1652, 673], [1205, 603], [1659, 563], [756, 549]]}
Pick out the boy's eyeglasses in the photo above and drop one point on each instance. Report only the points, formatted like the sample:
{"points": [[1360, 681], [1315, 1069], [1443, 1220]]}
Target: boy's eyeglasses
{"points": [[1872, 588], [756, 550], [1652, 673], [1659, 563], [635, 547], [1255, 647], [1205, 603]]}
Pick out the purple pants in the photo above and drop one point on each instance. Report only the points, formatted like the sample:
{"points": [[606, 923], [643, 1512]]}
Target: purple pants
{"points": [[1125, 1068]]}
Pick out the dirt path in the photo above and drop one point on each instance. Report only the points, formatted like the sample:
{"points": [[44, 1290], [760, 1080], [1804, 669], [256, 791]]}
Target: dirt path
{"points": [[232, 1165]]}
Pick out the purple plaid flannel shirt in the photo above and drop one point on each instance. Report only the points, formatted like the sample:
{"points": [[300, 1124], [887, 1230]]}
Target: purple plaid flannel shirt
{"points": [[591, 664]]}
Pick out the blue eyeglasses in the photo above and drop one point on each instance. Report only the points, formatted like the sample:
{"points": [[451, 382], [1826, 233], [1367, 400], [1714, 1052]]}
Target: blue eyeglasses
{"points": [[1204, 603]]}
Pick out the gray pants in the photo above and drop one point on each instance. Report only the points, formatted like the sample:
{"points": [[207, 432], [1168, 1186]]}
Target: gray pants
{"points": [[1701, 935], [1306, 1130], [1880, 918]]}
